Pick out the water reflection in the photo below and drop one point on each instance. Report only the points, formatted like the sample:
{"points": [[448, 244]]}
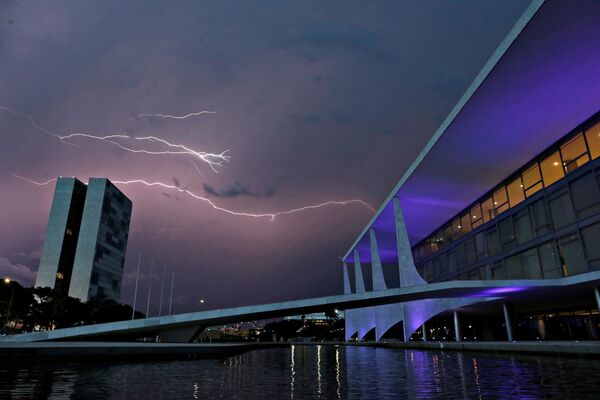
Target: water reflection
{"points": [[337, 373], [313, 372], [292, 370], [319, 370]]}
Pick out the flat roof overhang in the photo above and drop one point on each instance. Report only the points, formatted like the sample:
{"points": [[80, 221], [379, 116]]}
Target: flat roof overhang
{"points": [[541, 82]]}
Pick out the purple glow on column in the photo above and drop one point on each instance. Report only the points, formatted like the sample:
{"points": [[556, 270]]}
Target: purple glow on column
{"points": [[499, 290]]}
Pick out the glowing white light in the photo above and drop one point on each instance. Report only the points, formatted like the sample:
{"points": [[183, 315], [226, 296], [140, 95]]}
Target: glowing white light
{"points": [[270, 216], [176, 116], [212, 159], [44, 183], [30, 118]]}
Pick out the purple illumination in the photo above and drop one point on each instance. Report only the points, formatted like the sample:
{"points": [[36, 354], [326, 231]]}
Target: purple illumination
{"points": [[500, 290], [534, 95]]}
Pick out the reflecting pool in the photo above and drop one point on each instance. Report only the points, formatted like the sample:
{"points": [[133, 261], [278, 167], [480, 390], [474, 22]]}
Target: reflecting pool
{"points": [[313, 372]]}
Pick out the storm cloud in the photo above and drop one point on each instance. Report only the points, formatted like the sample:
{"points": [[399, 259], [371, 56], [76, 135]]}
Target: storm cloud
{"points": [[238, 189], [321, 100]]}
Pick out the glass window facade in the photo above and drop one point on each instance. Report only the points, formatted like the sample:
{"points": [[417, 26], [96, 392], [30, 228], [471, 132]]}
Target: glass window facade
{"points": [[515, 192], [532, 180], [592, 136], [552, 170], [542, 222], [572, 152]]}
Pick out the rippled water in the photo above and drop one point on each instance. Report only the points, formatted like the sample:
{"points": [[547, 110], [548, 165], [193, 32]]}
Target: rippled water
{"points": [[313, 372]]}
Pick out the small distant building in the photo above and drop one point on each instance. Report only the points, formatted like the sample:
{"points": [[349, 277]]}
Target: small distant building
{"points": [[318, 318], [86, 240]]}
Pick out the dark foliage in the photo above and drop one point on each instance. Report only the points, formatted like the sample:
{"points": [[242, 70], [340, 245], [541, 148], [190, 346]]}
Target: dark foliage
{"points": [[44, 308]]}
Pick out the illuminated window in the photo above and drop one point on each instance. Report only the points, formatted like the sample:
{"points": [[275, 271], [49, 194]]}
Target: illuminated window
{"points": [[487, 209], [438, 239], [515, 192], [59, 275], [552, 170], [574, 153], [500, 200], [456, 228], [593, 138], [69, 231], [532, 180], [465, 222], [476, 216]]}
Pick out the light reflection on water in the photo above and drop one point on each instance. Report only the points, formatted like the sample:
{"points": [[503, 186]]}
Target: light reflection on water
{"points": [[313, 372]]}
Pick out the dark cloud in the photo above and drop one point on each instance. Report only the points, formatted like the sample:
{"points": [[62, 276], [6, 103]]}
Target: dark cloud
{"points": [[170, 196], [238, 190]]}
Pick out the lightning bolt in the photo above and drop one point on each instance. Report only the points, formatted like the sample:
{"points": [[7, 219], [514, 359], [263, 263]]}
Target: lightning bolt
{"points": [[38, 183], [214, 160], [175, 116], [197, 169], [271, 216], [30, 119]]}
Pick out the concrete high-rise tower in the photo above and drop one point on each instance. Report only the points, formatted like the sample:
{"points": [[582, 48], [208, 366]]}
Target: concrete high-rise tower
{"points": [[60, 243], [86, 239]]}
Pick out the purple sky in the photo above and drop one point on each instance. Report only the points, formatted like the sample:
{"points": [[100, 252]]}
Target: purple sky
{"points": [[315, 101]]}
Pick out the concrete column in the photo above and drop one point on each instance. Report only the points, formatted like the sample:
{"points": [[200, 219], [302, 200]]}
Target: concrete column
{"points": [[376, 268], [507, 322], [347, 287], [457, 334], [424, 331], [597, 295], [406, 264], [358, 276]]}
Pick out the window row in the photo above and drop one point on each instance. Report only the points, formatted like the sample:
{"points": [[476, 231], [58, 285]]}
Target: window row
{"points": [[574, 152], [457, 262]]}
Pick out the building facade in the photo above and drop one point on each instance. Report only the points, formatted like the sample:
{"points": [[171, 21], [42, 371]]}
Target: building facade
{"points": [[505, 195], [60, 243], [542, 222], [86, 239]]}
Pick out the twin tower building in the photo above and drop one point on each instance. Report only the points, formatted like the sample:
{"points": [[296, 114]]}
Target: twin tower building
{"points": [[86, 240]]}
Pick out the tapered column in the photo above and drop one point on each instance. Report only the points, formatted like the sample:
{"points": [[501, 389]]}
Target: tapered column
{"points": [[349, 315], [424, 332], [347, 287], [406, 264], [507, 322], [597, 295], [457, 334], [376, 269], [358, 276]]}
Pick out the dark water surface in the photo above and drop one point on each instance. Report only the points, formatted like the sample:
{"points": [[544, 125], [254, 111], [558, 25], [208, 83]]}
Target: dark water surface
{"points": [[313, 372]]}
